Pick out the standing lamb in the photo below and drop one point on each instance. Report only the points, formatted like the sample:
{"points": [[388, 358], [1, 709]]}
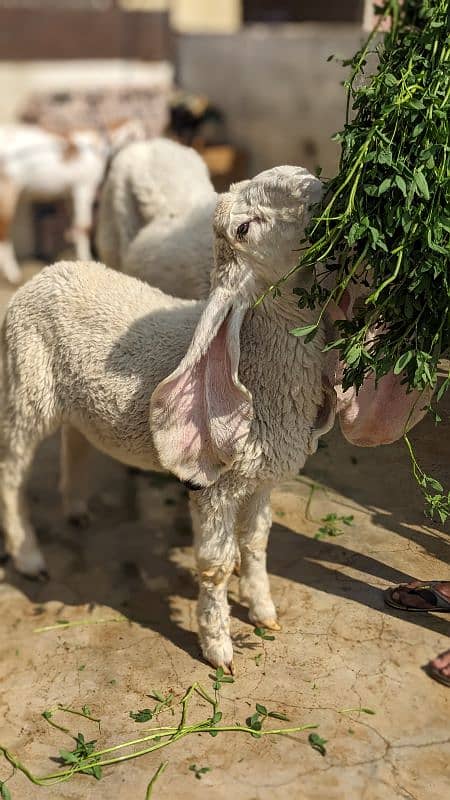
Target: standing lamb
{"points": [[44, 165], [218, 392], [155, 217]]}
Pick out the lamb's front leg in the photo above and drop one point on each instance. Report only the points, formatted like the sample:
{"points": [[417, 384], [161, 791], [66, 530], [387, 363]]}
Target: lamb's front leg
{"points": [[213, 519], [254, 523]]}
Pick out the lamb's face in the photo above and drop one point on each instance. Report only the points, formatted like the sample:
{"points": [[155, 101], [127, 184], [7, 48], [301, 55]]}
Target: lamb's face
{"points": [[260, 223]]}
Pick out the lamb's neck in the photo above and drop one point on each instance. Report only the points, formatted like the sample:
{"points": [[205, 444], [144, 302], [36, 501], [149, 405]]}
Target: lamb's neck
{"points": [[283, 311], [284, 305], [284, 376], [277, 352]]}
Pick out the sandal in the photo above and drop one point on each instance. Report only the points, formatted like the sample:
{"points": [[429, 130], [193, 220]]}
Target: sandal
{"points": [[427, 591], [437, 675]]}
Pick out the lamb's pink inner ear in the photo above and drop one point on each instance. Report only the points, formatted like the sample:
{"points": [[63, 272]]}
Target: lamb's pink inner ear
{"points": [[228, 402], [179, 425], [381, 414], [202, 415]]}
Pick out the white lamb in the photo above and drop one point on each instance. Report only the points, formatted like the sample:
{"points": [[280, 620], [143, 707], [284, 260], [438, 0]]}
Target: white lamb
{"points": [[155, 217], [44, 165], [218, 392], [153, 381]]}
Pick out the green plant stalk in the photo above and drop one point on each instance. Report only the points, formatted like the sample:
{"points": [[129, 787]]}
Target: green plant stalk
{"points": [[158, 772], [172, 734], [77, 623], [55, 725], [77, 713]]}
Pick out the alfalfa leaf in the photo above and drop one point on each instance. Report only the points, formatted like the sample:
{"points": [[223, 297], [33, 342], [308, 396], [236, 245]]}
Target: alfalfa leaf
{"points": [[317, 743], [401, 184], [403, 361], [304, 331], [421, 184]]}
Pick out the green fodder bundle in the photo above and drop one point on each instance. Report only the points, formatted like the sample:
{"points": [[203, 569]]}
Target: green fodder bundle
{"points": [[385, 217]]}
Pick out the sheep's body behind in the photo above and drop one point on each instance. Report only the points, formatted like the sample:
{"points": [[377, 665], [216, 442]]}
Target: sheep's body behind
{"points": [[155, 217]]}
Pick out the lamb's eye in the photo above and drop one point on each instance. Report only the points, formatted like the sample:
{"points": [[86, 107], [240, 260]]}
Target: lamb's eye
{"points": [[242, 230]]}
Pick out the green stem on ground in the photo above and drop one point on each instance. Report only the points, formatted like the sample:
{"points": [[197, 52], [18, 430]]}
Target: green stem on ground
{"points": [[169, 734]]}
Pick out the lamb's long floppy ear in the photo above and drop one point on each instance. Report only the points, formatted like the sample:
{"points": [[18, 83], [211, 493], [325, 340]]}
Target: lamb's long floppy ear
{"points": [[200, 415], [378, 413]]}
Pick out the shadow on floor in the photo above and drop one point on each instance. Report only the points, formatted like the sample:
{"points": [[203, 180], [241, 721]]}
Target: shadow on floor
{"points": [[143, 568]]}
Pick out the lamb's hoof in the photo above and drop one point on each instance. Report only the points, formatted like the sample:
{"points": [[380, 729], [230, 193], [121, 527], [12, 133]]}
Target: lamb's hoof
{"points": [[220, 654], [270, 624], [228, 669], [31, 565], [265, 616]]}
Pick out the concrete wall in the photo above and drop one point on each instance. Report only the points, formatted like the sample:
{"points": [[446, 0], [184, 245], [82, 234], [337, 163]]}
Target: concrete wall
{"points": [[19, 79], [283, 100]]}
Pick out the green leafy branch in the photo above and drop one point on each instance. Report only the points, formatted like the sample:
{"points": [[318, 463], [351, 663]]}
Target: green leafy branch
{"points": [[85, 759], [384, 222]]}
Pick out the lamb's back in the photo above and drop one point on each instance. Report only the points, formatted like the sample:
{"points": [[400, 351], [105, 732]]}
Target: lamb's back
{"points": [[99, 329]]}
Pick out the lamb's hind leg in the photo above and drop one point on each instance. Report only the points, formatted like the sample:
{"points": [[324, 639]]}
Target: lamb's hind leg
{"points": [[254, 522], [213, 518], [75, 475], [16, 455]]}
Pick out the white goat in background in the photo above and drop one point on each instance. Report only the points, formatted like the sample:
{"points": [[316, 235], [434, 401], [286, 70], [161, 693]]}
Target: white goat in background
{"points": [[46, 165], [155, 217]]}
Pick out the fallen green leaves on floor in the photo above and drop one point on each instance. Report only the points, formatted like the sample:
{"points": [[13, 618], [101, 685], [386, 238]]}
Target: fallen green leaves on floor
{"points": [[84, 758], [144, 715], [317, 743], [331, 525], [262, 633], [163, 704], [82, 751], [255, 722], [199, 771]]}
